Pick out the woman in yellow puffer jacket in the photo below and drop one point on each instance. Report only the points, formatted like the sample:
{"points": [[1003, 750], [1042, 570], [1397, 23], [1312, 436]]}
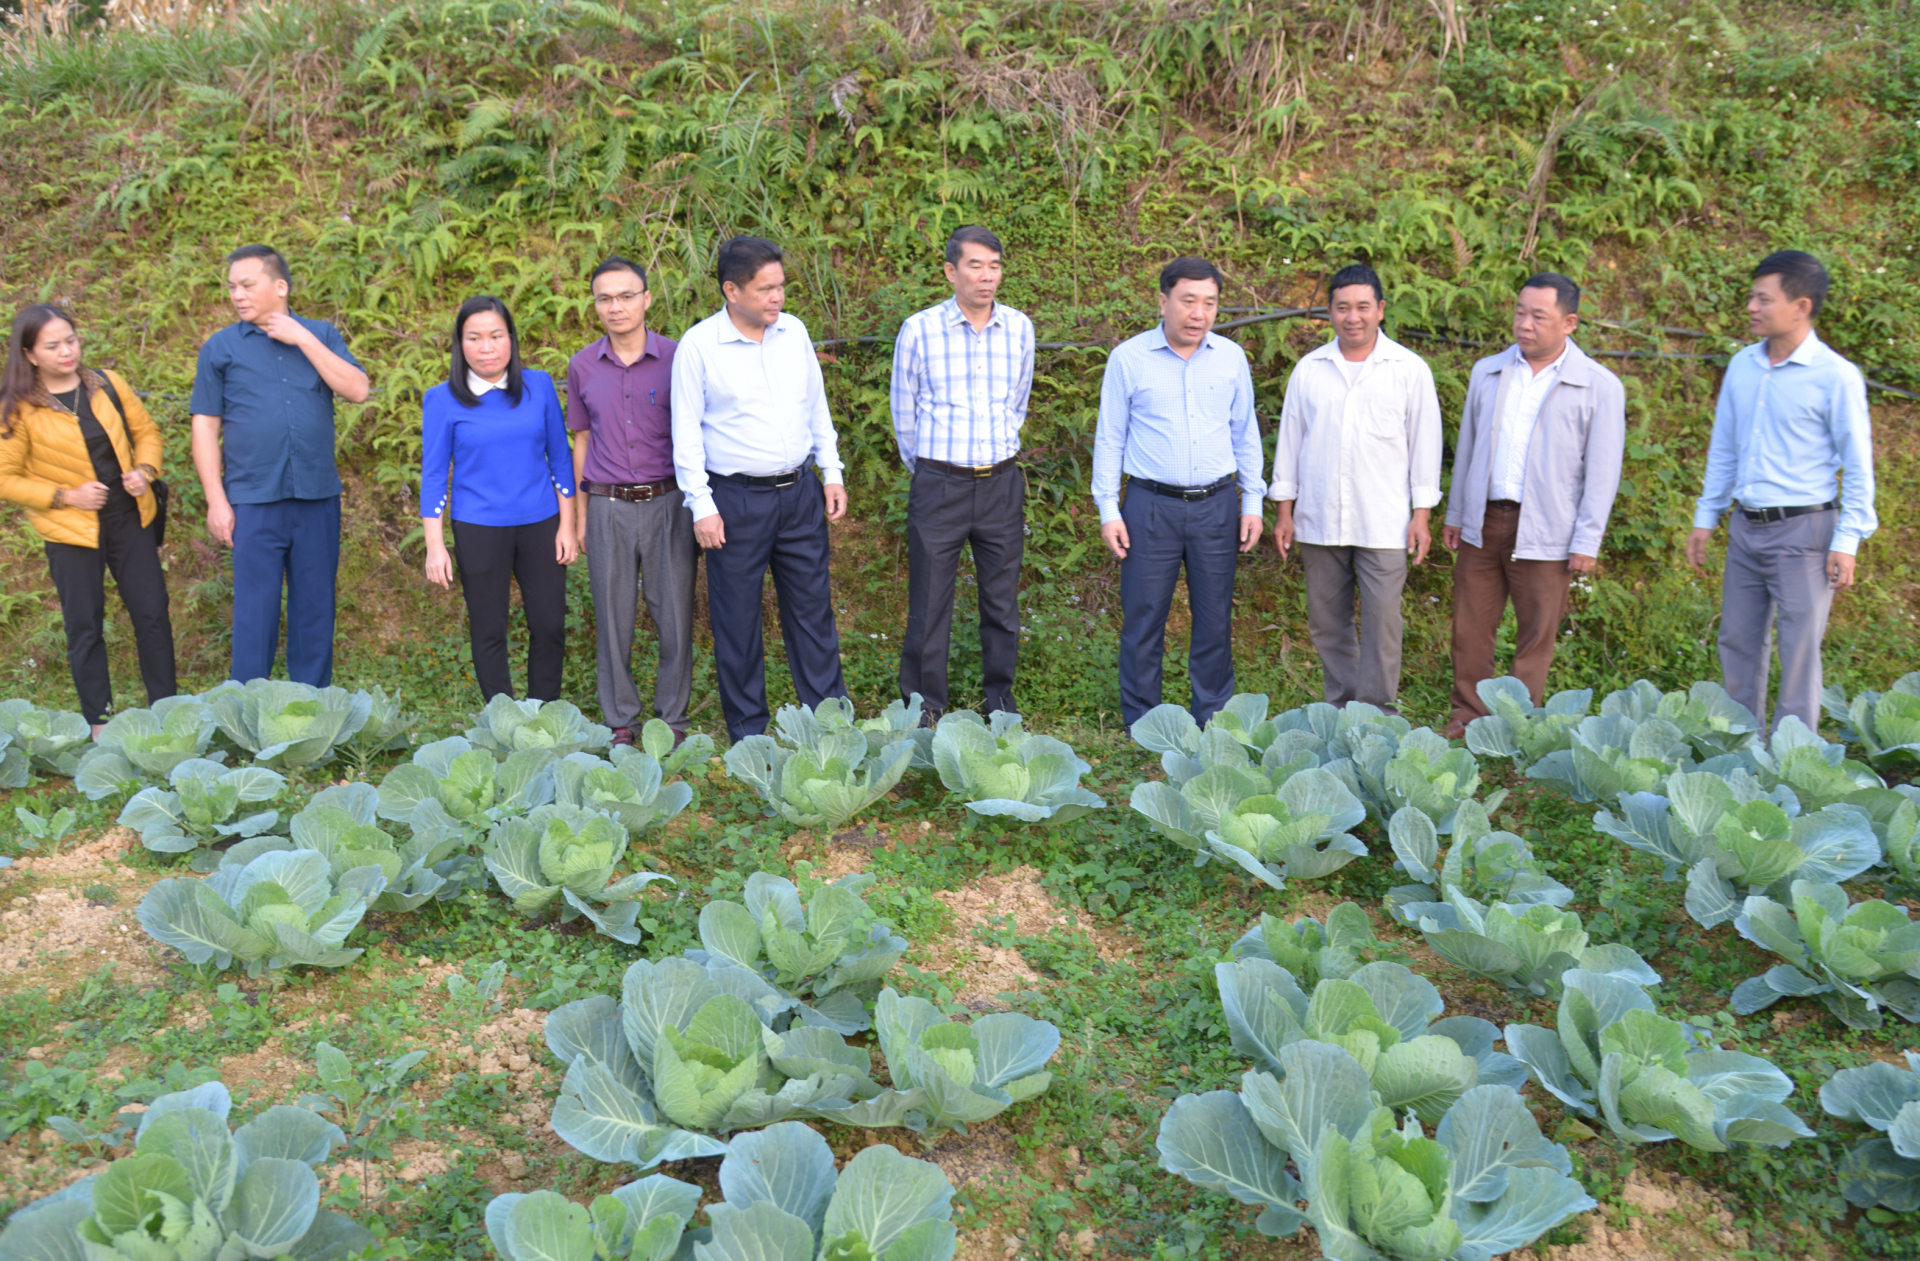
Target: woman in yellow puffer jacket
{"points": [[79, 452]]}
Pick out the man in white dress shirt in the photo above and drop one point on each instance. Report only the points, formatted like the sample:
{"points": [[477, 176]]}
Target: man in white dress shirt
{"points": [[1542, 437], [750, 424], [1357, 472]]}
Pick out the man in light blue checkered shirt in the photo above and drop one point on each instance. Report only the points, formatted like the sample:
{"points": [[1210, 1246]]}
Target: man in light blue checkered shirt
{"points": [[962, 372]]}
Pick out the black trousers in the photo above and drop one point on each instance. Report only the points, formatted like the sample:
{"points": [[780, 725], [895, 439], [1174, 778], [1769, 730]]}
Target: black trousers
{"points": [[490, 558], [782, 528], [1204, 536], [945, 512], [79, 576]]}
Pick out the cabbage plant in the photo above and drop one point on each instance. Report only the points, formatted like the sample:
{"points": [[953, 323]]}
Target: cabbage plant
{"points": [[1486, 865], [568, 853], [1389, 770], [193, 1190], [689, 1054], [784, 1203], [629, 787], [1383, 1016], [1885, 724], [1487, 1182], [1298, 827], [142, 746], [820, 772], [204, 805], [1818, 771], [1514, 727], [342, 822], [642, 1221], [507, 726], [1882, 1170], [656, 741], [1653, 1079], [387, 728], [14, 764], [1855, 958], [51, 740], [949, 1075], [1757, 846], [287, 725], [281, 909], [1310, 950], [901, 720], [1003, 771], [817, 942], [1613, 753], [1184, 746], [1712, 722], [1522, 947], [467, 784]]}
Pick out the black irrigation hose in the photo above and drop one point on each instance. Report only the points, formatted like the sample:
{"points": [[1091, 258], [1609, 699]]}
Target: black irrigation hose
{"points": [[1320, 313]]}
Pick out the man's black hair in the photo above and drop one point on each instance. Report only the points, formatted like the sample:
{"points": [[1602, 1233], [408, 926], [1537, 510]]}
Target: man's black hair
{"points": [[742, 258], [615, 262], [457, 370], [1356, 274], [972, 234], [1190, 269], [1801, 276], [1566, 294], [276, 261]]}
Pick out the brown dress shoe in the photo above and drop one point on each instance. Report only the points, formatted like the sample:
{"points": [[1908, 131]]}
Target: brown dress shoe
{"points": [[1456, 730], [622, 735]]}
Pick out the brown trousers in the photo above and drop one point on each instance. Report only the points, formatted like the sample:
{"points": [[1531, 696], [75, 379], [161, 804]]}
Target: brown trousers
{"points": [[1483, 579]]}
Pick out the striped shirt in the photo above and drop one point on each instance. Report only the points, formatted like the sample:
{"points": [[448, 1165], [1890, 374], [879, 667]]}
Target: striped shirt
{"points": [[1183, 422], [960, 393]]}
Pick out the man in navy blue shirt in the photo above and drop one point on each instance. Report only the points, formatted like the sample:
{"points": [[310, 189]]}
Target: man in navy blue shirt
{"points": [[263, 445]]}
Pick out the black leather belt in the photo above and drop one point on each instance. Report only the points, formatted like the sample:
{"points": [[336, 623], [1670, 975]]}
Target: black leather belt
{"points": [[777, 480], [1512, 505], [1764, 515], [965, 470], [1188, 493], [631, 492]]}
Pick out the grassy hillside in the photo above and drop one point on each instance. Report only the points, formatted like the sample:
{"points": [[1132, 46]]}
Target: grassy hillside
{"points": [[406, 156]]}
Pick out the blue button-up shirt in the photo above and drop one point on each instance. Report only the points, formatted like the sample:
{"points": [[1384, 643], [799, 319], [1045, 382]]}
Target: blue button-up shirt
{"points": [[1183, 422], [1782, 433], [276, 413], [959, 392]]}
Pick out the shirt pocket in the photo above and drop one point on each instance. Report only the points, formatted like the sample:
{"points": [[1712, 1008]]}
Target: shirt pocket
{"points": [[1385, 415]]}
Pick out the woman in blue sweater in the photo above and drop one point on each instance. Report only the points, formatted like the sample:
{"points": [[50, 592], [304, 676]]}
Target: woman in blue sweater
{"points": [[494, 450]]}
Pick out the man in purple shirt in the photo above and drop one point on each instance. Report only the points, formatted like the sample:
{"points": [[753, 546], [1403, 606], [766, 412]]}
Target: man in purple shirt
{"points": [[636, 520]]}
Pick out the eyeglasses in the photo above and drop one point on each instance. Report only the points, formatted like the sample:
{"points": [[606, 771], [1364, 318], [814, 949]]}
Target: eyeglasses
{"points": [[618, 299]]}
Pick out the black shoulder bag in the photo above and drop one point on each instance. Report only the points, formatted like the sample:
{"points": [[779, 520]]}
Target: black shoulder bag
{"points": [[159, 488]]}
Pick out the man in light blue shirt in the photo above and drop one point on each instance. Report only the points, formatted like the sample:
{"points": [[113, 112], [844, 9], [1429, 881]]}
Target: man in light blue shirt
{"points": [[962, 372], [1792, 415], [1176, 416], [750, 424]]}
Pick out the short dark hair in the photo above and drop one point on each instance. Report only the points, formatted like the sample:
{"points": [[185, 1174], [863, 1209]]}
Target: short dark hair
{"points": [[1801, 276], [742, 258], [972, 234], [457, 370], [615, 262], [1566, 294], [1185, 268], [1356, 274], [276, 261]]}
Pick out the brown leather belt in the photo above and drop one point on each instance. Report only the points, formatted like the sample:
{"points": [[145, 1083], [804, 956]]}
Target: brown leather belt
{"points": [[631, 492], [1511, 505], [966, 470]]}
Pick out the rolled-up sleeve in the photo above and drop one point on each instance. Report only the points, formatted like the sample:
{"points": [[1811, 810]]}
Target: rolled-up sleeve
{"points": [[1110, 438], [1424, 439], [1285, 485]]}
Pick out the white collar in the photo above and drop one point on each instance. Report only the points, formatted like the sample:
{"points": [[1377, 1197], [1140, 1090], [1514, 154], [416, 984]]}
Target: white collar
{"points": [[480, 385]]}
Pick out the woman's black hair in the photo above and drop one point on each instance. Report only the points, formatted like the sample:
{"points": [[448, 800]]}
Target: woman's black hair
{"points": [[19, 376], [457, 372]]}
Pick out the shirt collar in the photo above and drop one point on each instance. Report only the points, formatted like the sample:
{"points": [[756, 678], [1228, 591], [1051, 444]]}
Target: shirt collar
{"points": [[1803, 354], [603, 349], [951, 314], [730, 332], [1385, 350], [479, 385], [1560, 364], [1157, 339]]}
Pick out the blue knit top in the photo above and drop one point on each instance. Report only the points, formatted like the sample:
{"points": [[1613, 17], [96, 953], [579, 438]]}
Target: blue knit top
{"points": [[499, 463]]}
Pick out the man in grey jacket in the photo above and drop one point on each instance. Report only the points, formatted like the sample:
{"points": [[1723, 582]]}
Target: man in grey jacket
{"points": [[1534, 476]]}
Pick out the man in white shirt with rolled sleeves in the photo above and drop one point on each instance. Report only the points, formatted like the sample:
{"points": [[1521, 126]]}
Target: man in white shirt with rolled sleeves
{"points": [[1356, 472], [750, 424]]}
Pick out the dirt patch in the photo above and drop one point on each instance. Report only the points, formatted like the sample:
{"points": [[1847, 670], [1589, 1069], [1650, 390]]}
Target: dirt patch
{"points": [[87, 860], [53, 937], [1673, 1219], [514, 1042], [980, 970], [267, 1073], [413, 1161]]}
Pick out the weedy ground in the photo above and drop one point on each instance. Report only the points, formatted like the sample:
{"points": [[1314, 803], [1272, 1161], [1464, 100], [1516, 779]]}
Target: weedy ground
{"points": [[1097, 925]]}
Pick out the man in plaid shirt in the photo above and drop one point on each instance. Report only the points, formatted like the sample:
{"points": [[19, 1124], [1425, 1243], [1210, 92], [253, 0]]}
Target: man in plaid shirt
{"points": [[962, 373]]}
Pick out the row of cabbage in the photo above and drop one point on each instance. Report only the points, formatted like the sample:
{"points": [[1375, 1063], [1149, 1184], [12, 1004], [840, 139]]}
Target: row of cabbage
{"points": [[1766, 829]]}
